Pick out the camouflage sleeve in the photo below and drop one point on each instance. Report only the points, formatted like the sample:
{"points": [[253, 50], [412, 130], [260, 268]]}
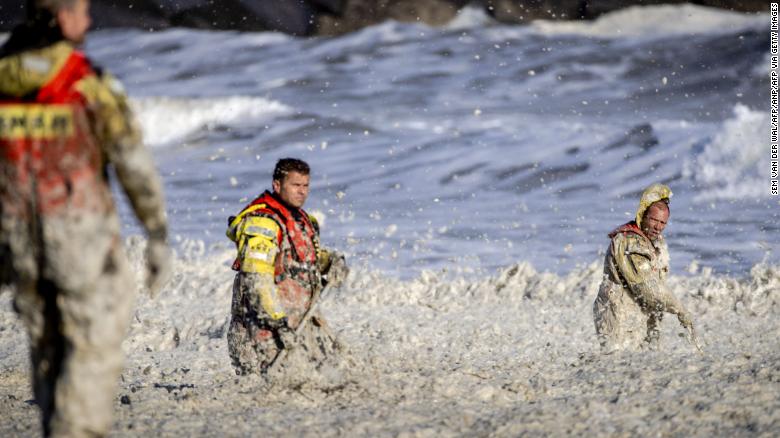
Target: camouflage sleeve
{"points": [[633, 259], [120, 139]]}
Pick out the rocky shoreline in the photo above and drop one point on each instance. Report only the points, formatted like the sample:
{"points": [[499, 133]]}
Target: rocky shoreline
{"points": [[334, 17]]}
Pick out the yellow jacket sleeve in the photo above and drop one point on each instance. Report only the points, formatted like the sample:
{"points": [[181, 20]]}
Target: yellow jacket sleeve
{"points": [[257, 249]]}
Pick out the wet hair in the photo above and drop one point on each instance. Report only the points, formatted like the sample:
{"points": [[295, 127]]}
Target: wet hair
{"points": [[287, 165], [663, 203]]}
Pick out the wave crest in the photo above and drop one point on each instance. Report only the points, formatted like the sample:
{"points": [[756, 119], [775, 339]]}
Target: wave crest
{"points": [[167, 119], [732, 164]]}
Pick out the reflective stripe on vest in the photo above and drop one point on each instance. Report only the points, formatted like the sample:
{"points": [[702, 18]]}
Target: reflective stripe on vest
{"points": [[49, 156], [299, 242]]}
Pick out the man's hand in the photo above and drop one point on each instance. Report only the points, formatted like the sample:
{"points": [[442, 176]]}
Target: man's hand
{"points": [[685, 320], [338, 271], [158, 265]]}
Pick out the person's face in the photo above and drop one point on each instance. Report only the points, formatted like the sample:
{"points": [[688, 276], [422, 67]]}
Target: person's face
{"points": [[74, 21], [293, 189], [654, 221]]}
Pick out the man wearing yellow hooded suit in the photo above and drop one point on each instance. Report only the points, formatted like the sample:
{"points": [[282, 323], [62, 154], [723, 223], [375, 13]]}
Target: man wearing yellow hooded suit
{"points": [[633, 295]]}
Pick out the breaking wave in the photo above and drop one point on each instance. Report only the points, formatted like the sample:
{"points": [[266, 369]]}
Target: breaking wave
{"points": [[734, 164], [656, 21], [167, 119]]}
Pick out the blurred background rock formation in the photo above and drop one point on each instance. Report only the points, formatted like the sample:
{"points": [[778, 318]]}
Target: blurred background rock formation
{"points": [[334, 17]]}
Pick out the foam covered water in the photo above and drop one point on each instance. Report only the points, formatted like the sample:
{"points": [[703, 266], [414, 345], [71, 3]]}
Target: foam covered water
{"points": [[476, 145], [443, 354], [471, 174], [657, 22], [732, 165]]}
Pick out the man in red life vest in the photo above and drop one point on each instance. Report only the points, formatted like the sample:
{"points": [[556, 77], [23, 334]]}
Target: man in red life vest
{"points": [[63, 122], [633, 295], [280, 266]]}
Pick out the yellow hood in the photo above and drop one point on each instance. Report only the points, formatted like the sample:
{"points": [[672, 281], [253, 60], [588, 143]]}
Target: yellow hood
{"points": [[654, 193]]}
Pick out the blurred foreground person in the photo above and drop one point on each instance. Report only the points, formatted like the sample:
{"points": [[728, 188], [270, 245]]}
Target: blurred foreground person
{"points": [[62, 123], [634, 285], [281, 272]]}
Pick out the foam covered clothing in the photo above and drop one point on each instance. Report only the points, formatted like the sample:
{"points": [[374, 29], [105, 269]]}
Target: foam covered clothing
{"points": [[280, 266], [63, 122], [633, 295]]}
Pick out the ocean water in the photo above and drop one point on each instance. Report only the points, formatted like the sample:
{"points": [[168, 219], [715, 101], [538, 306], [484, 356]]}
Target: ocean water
{"points": [[471, 173], [474, 146]]}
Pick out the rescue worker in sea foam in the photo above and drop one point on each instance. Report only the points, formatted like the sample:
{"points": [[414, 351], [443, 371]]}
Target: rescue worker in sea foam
{"points": [[634, 284], [280, 265], [63, 122]]}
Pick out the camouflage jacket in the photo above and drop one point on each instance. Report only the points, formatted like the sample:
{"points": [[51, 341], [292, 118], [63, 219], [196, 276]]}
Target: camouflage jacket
{"points": [[62, 124], [639, 267]]}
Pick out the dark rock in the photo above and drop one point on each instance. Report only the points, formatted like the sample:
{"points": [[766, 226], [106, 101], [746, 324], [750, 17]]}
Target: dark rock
{"points": [[11, 14], [147, 14], [519, 11], [361, 13], [125, 400], [105, 14], [331, 17], [296, 18]]}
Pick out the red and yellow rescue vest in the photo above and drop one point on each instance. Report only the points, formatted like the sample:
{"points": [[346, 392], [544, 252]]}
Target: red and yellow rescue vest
{"points": [[50, 158], [296, 274], [303, 244]]}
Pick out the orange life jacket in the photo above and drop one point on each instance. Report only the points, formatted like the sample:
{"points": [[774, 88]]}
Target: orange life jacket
{"points": [[303, 245], [296, 273], [49, 158], [628, 228]]}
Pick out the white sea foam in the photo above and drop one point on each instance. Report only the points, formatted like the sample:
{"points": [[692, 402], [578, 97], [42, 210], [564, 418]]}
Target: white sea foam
{"points": [[469, 17], [416, 179], [762, 68], [656, 21], [164, 119], [433, 347], [192, 312], [732, 165], [446, 325]]}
